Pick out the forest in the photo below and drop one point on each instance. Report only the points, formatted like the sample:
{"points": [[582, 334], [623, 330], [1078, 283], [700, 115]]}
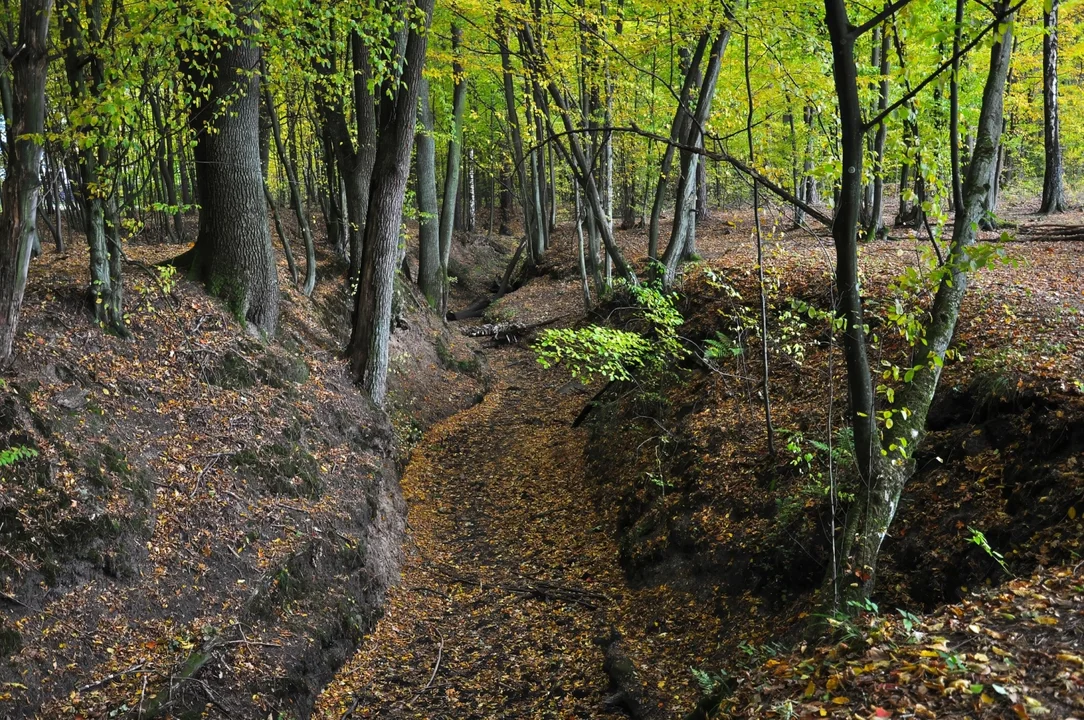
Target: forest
{"points": [[541, 359]]}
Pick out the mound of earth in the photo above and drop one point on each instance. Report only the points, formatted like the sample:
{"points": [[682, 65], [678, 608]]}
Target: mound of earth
{"points": [[192, 519]]}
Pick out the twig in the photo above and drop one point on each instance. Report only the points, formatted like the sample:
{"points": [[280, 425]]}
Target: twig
{"points": [[111, 678], [436, 667], [199, 478], [142, 694], [13, 599]]}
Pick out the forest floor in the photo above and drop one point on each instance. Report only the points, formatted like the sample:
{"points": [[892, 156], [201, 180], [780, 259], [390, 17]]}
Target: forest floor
{"points": [[511, 584], [517, 597], [543, 574]]}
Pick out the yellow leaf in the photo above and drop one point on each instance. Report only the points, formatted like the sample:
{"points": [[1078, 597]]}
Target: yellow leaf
{"points": [[1046, 620], [810, 689], [841, 700], [1072, 513]]}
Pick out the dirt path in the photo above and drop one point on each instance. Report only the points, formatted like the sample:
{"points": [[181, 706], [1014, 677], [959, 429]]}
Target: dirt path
{"points": [[510, 575]]}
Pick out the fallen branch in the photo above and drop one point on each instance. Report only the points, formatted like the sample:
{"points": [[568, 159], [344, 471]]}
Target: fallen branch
{"points": [[110, 678], [436, 667]]}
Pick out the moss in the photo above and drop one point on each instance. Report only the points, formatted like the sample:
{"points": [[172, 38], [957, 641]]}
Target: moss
{"points": [[284, 470], [281, 371], [233, 372], [227, 288], [993, 389], [499, 312], [449, 361], [10, 640]]}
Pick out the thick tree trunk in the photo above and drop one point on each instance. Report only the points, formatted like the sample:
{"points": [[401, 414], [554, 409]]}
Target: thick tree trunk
{"points": [[368, 350], [233, 254], [430, 267], [1053, 182], [19, 206]]}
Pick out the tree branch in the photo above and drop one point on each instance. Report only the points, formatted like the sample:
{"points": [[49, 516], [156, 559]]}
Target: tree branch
{"points": [[718, 155], [866, 126], [877, 19]]}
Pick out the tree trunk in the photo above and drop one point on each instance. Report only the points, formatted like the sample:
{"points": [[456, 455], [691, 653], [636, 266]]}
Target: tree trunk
{"points": [[506, 204], [368, 351], [167, 165], [516, 136], [691, 84], [233, 254], [886, 464], [1053, 182], [452, 171], [685, 206], [430, 274], [106, 296], [954, 108], [283, 238], [19, 207], [355, 164], [875, 221], [334, 215], [289, 165]]}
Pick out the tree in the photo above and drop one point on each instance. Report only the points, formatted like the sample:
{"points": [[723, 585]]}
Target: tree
{"points": [[355, 163], [295, 194], [368, 351], [885, 457], [1053, 183], [101, 224], [232, 254], [22, 180], [451, 173], [430, 267]]}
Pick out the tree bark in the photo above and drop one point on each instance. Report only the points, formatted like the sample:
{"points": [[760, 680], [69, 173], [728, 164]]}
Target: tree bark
{"points": [[886, 463], [106, 291], [954, 108], [875, 221], [685, 206], [295, 195], [430, 267], [368, 351], [516, 136], [22, 181], [1053, 175], [355, 164], [691, 84], [233, 254], [452, 170]]}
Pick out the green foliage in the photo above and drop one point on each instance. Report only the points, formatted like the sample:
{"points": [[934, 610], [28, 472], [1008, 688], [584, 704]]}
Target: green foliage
{"points": [[721, 347], [614, 353], [979, 538], [710, 683], [12, 455]]}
